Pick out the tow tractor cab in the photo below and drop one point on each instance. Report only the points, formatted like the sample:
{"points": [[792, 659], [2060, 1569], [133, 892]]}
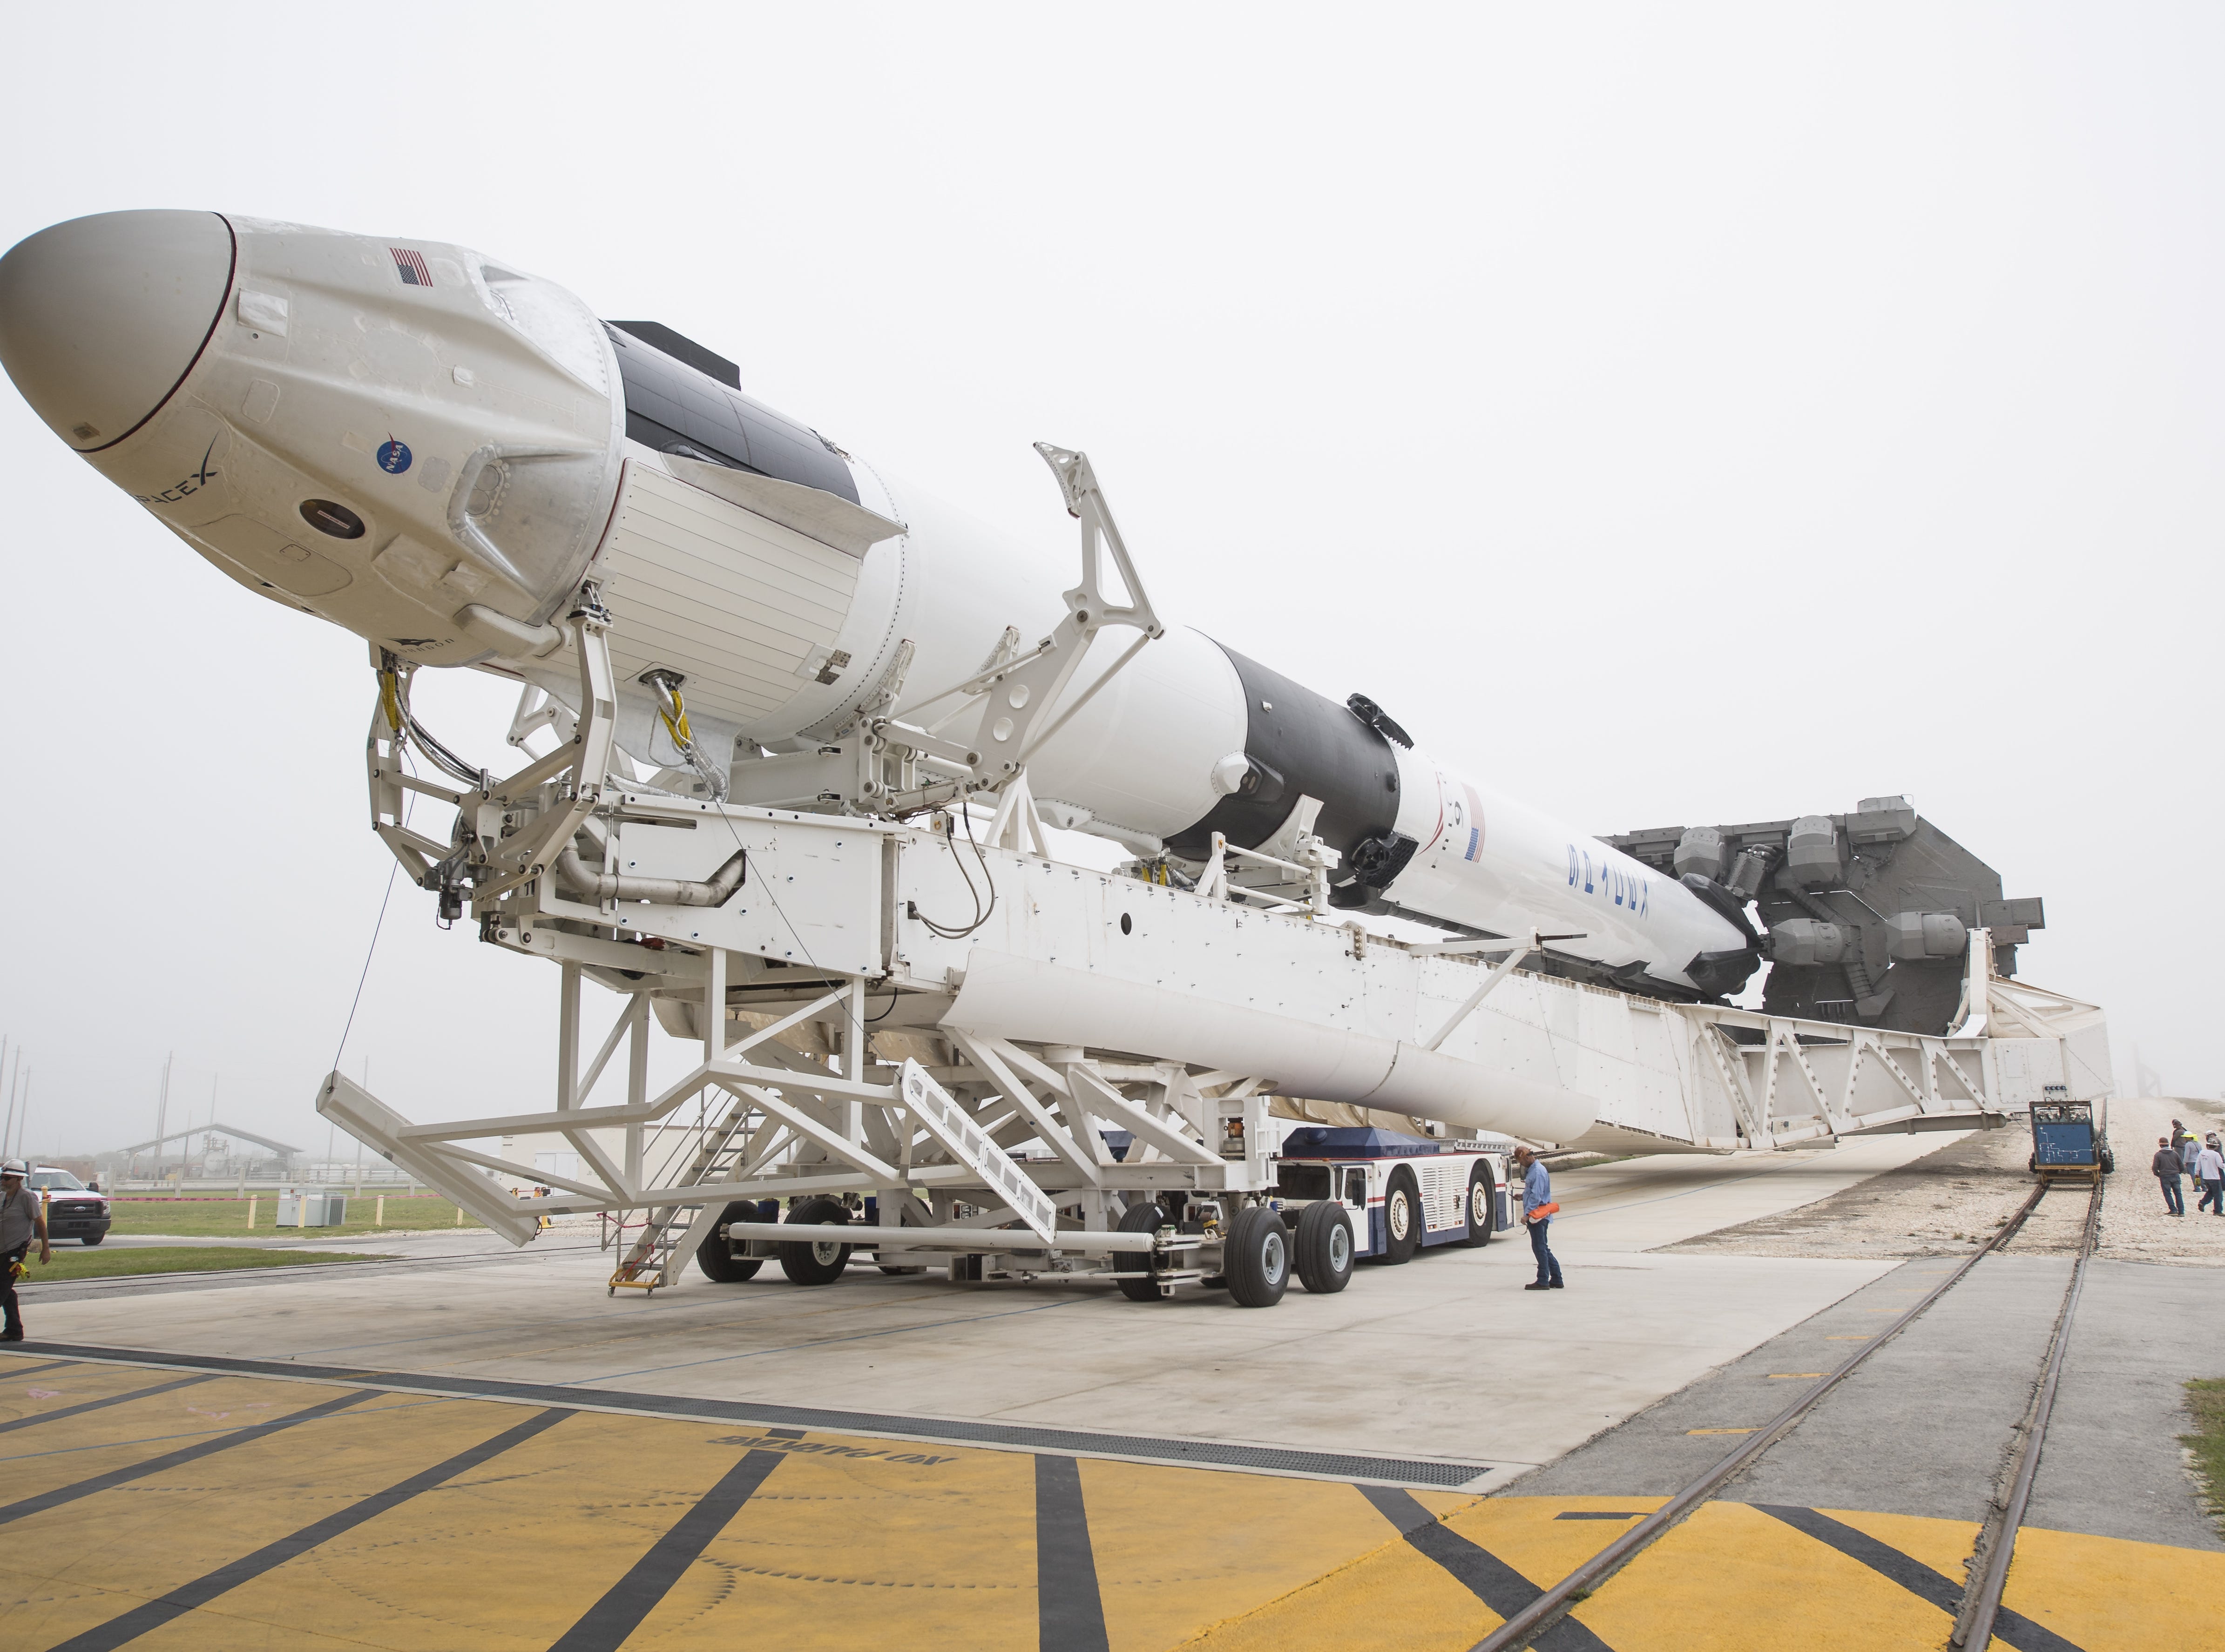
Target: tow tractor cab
{"points": [[1400, 1192]]}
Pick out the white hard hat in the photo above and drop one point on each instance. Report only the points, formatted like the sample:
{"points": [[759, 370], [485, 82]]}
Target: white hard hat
{"points": [[12, 1167]]}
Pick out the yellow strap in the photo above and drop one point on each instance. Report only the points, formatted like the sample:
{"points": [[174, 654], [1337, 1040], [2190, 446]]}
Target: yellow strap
{"points": [[390, 701], [675, 722]]}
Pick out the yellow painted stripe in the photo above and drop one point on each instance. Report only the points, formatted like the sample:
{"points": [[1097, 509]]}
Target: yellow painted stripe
{"points": [[856, 1540], [1732, 1579], [2107, 1595], [506, 1558], [1173, 1552], [1942, 1545], [32, 1396], [1528, 1535], [99, 1557], [77, 1448], [1392, 1596], [942, 1552]]}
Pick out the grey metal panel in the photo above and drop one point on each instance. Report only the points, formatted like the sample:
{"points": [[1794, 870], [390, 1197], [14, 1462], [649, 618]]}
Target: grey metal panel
{"points": [[1889, 861], [671, 405]]}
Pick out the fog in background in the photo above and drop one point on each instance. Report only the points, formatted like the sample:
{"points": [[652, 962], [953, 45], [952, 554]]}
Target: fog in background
{"points": [[1671, 416]]}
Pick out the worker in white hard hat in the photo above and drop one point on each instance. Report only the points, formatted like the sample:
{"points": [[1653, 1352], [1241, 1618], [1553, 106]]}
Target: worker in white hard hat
{"points": [[23, 1218]]}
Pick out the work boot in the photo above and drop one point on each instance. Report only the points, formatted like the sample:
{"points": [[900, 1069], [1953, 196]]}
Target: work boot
{"points": [[1556, 1285], [1539, 1285]]}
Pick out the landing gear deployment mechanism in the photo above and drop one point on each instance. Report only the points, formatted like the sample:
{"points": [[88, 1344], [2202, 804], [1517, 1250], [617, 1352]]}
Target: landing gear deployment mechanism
{"points": [[810, 733]]}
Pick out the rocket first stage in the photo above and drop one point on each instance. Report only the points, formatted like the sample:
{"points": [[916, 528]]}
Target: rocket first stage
{"points": [[434, 450]]}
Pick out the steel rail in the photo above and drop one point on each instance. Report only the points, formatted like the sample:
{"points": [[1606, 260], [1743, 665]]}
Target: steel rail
{"points": [[1974, 1626], [1541, 1613]]}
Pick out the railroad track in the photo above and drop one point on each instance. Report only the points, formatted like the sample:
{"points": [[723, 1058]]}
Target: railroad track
{"points": [[1996, 1542]]}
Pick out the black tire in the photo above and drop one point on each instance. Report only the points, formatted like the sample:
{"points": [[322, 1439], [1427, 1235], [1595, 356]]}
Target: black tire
{"points": [[91, 1239], [1133, 1271], [818, 1261], [1256, 1257], [2109, 1162], [1324, 1247], [1402, 1218], [1482, 1205], [715, 1262]]}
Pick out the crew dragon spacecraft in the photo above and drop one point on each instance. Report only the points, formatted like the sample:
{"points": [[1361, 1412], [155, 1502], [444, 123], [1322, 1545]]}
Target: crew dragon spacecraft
{"points": [[433, 450]]}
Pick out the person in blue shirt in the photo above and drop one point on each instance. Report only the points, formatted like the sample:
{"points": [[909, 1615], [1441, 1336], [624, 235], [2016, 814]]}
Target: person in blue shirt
{"points": [[1537, 1195]]}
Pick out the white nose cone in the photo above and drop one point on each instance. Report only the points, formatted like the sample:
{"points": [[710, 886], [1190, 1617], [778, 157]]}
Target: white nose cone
{"points": [[102, 317]]}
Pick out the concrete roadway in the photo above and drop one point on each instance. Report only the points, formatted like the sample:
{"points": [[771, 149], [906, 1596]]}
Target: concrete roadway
{"points": [[178, 1507], [511, 1458], [1446, 1359]]}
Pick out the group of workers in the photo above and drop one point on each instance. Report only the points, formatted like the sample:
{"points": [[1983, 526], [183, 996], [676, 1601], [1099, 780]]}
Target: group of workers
{"points": [[2180, 1155]]}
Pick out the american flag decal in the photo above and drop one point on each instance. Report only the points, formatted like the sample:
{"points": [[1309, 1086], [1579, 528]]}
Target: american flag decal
{"points": [[412, 266]]}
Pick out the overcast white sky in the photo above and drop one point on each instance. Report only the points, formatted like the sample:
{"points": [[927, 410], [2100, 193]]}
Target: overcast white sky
{"points": [[1673, 415]]}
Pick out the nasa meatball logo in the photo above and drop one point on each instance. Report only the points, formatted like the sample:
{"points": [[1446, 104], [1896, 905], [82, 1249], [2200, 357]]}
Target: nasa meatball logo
{"points": [[393, 457]]}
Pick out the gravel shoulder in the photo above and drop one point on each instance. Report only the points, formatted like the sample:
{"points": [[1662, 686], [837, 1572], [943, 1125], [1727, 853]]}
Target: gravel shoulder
{"points": [[1947, 1202]]}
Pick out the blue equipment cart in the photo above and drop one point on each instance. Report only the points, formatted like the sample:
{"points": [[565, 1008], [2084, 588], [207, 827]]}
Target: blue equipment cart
{"points": [[2066, 1139]]}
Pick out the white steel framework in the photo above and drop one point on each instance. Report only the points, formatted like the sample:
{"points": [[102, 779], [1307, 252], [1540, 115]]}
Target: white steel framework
{"points": [[900, 989]]}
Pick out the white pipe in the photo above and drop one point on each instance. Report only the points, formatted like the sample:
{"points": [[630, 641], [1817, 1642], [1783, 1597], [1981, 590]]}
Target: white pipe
{"points": [[512, 638], [572, 872], [985, 1241]]}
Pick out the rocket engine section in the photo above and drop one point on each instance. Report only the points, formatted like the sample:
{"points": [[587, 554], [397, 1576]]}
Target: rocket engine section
{"points": [[432, 450], [1868, 913]]}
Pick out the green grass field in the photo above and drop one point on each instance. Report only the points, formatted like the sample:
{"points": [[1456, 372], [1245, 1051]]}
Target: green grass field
{"points": [[195, 1218], [74, 1262], [2205, 1400]]}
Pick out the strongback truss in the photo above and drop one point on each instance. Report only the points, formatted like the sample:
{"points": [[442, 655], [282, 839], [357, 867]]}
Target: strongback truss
{"points": [[769, 935]]}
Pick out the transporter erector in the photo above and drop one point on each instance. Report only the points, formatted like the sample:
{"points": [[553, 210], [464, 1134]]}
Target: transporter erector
{"points": [[782, 686]]}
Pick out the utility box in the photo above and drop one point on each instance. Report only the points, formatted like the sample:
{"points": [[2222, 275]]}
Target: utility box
{"points": [[311, 1207]]}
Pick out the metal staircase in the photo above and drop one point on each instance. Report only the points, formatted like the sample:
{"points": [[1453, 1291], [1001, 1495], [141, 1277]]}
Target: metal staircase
{"points": [[669, 1236]]}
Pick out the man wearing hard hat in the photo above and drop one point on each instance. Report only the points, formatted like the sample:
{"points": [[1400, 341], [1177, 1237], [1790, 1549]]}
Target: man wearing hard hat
{"points": [[23, 1218]]}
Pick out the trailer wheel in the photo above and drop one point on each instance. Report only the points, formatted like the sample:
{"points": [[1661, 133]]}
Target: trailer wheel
{"points": [[818, 1262], [1256, 1257], [1402, 1218], [719, 1264], [1324, 1247], [1132, 1269], [1482, 1205]]}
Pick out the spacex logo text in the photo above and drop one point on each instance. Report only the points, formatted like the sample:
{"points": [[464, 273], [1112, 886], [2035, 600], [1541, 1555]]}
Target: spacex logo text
{"points": [[183, 486], [1634, 894]]}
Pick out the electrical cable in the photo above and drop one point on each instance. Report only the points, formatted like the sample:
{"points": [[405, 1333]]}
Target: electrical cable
{"points": [[394, 706], [355, 1002], [672, 710], [981, 915], [409, 807]]}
